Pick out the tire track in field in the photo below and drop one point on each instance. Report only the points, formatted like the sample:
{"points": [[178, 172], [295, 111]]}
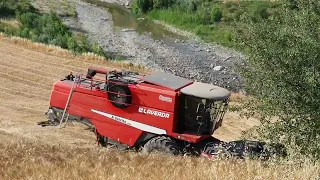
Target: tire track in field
{"points": [[22, 86], [29, 69], [22, 109], [16, 92], [22, 80], [50, 59], [26, 73], [50, 67], [27, 76], [23, 101]]}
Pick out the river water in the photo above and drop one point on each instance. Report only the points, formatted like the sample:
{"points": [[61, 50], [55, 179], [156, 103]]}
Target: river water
{"points": [[124, 19]]}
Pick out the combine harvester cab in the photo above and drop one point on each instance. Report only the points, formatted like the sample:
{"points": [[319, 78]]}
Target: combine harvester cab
{"points": [[155, 112]]}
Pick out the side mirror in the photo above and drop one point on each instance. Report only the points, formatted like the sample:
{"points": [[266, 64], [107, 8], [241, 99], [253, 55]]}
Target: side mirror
{"points": [[200, 107]]}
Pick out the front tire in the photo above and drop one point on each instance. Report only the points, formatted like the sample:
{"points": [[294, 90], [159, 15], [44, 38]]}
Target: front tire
{"points": [[162, 144]]}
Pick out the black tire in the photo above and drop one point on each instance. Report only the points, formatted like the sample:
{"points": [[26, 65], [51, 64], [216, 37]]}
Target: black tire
{"points": [[217, 150], [237, 149], [120, 101], [161, 144]]}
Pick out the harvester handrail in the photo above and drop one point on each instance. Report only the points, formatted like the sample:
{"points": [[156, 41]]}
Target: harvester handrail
{"points": [[92, 79], [99, 80]]}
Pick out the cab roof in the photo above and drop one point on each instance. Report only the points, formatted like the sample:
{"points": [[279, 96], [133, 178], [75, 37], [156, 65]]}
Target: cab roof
{"points": [[206, 91], [186, 86]]}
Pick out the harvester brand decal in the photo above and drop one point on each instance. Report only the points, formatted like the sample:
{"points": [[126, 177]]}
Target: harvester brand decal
{"points": [[138, 125], [153, 112], [166, 99]]}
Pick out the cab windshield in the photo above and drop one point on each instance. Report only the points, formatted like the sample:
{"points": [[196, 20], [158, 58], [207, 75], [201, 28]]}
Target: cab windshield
{"points": [[201, 115]]}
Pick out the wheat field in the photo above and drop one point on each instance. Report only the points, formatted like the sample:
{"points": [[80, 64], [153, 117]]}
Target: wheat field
{"points": [[29, 151]]}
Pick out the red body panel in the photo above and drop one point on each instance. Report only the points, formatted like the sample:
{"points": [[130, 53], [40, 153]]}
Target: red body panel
{"points": [[93, 104]]}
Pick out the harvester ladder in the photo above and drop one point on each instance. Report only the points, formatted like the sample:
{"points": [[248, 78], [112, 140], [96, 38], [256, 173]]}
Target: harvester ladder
{"points": [[67, 105]]}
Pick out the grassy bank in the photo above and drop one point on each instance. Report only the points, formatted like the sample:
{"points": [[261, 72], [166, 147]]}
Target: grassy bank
{"points": [[211, 21], [23, 20]]}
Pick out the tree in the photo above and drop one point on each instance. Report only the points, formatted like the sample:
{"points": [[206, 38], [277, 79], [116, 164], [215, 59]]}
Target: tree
{"points": [[282, 71]]}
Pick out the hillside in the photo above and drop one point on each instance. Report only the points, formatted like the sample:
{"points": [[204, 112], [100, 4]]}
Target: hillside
{"points": [[31, 151]]}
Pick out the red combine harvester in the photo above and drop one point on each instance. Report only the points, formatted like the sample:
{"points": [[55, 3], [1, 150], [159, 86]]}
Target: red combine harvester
{"points": [[155, 112]]}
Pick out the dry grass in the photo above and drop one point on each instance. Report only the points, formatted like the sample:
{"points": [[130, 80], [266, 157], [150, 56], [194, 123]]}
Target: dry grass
{"points": [[31, 160], [28, 151], [236, 97], [11, 22]]}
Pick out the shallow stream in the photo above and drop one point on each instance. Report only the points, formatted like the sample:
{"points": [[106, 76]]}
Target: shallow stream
{"points": [[125, 20]]}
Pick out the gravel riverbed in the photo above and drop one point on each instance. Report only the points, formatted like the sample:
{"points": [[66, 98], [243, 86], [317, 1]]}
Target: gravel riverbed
{"points": [[187, 58]]}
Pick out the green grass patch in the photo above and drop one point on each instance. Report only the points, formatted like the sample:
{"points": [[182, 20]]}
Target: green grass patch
{"points": [[213, 32], [211, 21]]}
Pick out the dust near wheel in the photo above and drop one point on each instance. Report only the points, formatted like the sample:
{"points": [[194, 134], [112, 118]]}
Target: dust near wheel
{"points": [[161, 144], [119, 95]]}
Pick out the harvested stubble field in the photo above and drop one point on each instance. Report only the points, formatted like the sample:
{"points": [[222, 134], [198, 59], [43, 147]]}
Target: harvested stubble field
{"points": [[29, 151]]}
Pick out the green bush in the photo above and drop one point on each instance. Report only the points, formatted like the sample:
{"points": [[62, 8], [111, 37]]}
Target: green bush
{"points": [[59, 41], [162, 4], [24, 32], [192, 6], [203, 15], [237, 14], [78, 44], [283, 73], [228, 4], [52, 25], [28, 20], [49, 29], [186, 5], [216, 14], [72, 44], [142, 6], [259, 11], [228, 37], [97, 49], [42, 38]]}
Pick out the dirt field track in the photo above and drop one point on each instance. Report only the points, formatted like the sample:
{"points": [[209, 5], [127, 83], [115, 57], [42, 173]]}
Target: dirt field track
{"points": [[29, 151]]}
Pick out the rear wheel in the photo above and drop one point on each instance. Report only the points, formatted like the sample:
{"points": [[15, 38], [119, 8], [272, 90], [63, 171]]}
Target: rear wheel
{"points": [[161, 144]]}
